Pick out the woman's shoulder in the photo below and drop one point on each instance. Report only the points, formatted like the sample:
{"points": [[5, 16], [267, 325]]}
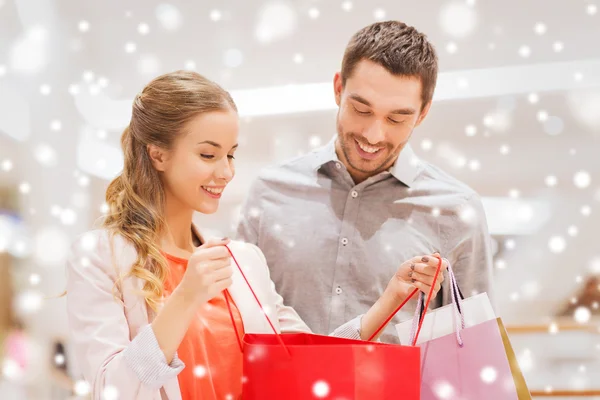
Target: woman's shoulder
{"points": [[102, 247]]}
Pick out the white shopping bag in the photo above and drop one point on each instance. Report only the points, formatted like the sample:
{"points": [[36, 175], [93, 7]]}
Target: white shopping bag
{"points": [[442, 321]]}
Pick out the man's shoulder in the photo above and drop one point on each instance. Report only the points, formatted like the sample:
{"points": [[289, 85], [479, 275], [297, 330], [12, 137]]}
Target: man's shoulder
{"points": [[302, 168], [442, 183]]}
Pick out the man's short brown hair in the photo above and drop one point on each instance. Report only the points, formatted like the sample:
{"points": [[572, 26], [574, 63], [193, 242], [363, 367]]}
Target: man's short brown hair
{"points": [[399, 48]]}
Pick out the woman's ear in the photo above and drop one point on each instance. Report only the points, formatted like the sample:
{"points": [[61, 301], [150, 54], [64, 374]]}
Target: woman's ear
{"points": [[158, 157]]}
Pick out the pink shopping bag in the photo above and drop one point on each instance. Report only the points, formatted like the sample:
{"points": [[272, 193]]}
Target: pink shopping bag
{"points": [[469, 364]]}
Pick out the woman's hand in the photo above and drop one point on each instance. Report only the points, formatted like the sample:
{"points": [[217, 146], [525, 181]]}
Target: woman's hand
{"points": [[208, 272], [418, 272]]}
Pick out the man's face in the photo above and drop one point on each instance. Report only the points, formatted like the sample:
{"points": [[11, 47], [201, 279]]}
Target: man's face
{"points": [[377, 114]]}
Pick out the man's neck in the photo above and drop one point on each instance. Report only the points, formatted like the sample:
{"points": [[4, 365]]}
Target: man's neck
{"points": [[357, 176]]}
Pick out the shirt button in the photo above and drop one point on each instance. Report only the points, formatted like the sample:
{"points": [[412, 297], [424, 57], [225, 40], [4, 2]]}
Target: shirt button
{"points": [[354, 194], [338, 290], [344, 241], [338, 165]]}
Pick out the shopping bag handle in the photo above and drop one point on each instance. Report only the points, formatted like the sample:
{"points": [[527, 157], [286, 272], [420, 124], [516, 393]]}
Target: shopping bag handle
{"points": [[226, 293], [437, 272], [456, 296]]}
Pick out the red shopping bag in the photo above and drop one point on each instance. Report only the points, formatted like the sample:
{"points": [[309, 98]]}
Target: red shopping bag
{"points": [[306, 366]]}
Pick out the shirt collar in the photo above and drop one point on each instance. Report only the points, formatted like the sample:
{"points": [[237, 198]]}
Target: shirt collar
{"points": [[405, 169]]}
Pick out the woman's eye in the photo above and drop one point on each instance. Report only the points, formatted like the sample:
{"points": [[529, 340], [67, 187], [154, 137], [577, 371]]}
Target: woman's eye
{"points": [[207, 156]]}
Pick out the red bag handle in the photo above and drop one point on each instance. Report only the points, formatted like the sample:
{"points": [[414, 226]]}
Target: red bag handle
{"points": [[437, 272], [226, 293]]}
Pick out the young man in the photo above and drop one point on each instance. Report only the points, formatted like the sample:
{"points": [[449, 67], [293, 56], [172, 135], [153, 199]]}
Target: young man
{"points": [[339, 220]]}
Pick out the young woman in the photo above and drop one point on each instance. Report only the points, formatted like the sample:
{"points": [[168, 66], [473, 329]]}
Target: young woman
{"points": [[146, 294]]}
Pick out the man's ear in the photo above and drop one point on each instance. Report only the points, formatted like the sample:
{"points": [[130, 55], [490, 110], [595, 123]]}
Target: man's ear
{"points": [[338, 88], [424, 113]]}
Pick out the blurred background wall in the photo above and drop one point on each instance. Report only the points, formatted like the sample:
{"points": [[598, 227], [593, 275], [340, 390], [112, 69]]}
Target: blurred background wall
{"points": [[516, 116]]}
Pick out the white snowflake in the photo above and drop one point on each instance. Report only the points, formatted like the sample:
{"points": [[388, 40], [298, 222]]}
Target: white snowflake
{"points": [[558, 46], [25, 188], [582, 179], [215, 15], [55, 210], [84, 26], [169, 16], [540, 28], [533, 98], [314, 141], [557, 244], [379, 14], [7, 165], [190, 65], [451, 47], [321, 389], [56, 125], [45, 155], [11, 369], [276, 20], [474, 165], [458, 19], [582, 315], [444, 390], [586, 211], [525, 360], [468, 215], [45, 89], [81, 388], [525, 51], [426, 144], [489, 375], [110, 393], [595, 265], [130, 47], [34, 279], [59, 359], [471, 130], [233, 58], [68, 216], [551, 181], [200, 371], [531, 289], [143, 28], [29, 301], [553, 125]]}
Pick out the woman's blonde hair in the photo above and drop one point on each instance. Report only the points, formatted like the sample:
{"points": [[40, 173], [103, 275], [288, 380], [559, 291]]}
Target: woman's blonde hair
{"points": [[136, 197]]}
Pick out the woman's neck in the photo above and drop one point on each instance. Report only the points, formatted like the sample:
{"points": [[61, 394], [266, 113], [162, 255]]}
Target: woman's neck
{"points": [[178, 232]]}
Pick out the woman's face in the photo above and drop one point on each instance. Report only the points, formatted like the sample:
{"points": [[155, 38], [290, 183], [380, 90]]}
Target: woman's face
{"points": [[201, 164]]}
